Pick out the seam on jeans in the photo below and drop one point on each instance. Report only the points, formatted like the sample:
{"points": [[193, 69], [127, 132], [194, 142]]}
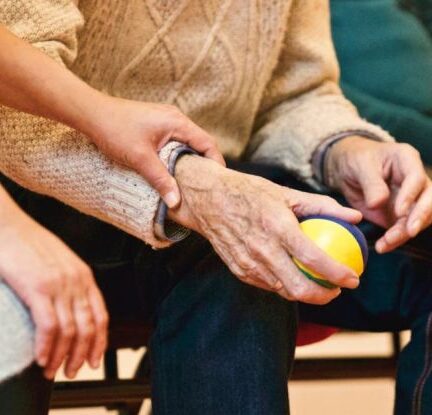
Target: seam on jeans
{"points": [[427, 370]]}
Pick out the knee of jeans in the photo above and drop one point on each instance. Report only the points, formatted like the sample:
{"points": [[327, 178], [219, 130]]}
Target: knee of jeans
{"points": [[212, 298], [16, 334]]}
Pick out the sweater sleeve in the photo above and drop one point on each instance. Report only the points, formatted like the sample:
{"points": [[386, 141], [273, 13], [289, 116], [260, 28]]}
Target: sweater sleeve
{"points": [[303, 105], [422, 9], [406, 124], [55, 160]]}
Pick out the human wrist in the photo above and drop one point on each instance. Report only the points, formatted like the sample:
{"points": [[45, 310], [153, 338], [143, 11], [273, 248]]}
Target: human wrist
{"points": [[338, 153], [198, 179], [91, 113]]}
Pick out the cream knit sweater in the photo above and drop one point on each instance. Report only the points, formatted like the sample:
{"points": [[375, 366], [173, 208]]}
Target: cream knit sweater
{"points": [[259, 75]]}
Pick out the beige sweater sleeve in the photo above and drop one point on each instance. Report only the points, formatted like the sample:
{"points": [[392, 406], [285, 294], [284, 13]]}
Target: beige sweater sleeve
{"points": [[52, 159], [303, 105]]}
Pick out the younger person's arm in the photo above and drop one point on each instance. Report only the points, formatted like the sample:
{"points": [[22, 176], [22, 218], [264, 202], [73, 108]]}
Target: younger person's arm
{"points": [[58, 288]]}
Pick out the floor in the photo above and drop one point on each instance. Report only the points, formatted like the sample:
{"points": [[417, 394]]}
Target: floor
{"points": [[356, 397]]}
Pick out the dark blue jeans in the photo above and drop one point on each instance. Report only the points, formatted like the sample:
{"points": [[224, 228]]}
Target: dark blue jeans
{"points": [[222, 347]]}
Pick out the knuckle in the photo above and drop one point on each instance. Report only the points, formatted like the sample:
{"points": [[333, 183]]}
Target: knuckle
{"points": [[299, 293], [49, 326], [255, 248], [310, 259], [42, 286], [409, 150], [69, 331], [102, 320], [87, 331], [244, 262]]}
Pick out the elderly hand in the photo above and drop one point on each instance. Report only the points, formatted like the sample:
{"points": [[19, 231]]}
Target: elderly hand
{"points": [[252, 225], [65, 303], [131, 133], [387, 182]]}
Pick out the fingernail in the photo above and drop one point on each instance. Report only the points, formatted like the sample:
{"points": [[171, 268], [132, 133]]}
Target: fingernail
{"points": [[171, 199], [354, 282], [71, 374], [50, 374], [415, 227], [380, 245], [42, 360]]}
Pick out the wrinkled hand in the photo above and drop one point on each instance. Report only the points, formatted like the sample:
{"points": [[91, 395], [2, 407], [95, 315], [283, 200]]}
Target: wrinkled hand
{"points": [[252, 225], [131, 133], [387, 182], [65, 303]]}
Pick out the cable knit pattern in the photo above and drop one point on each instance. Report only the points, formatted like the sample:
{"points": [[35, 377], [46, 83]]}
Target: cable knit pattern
{"points": [[261, 76], [240, 69]]}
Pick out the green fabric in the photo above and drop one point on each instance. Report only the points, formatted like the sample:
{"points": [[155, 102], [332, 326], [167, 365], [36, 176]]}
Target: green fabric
{"points": [[386, 61], [422, 9]]}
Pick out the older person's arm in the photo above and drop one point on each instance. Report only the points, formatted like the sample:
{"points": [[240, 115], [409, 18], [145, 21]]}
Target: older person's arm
{"points": [[303, 106], [251, 222], [62, 160], [305, 119]]}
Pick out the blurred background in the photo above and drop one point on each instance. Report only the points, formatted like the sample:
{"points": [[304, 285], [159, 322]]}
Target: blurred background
{"points": [[335, 397]]}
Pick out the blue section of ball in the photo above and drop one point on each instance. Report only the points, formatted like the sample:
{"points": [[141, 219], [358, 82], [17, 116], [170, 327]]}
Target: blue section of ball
{"points": [[353, 229]]}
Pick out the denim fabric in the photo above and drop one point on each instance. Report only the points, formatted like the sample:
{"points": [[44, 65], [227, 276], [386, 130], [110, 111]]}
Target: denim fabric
{"points": [[395, 294], [222, 347], [219, 346]]}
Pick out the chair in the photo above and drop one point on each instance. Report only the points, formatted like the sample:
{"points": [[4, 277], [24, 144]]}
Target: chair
{"points": [[126, 395]]}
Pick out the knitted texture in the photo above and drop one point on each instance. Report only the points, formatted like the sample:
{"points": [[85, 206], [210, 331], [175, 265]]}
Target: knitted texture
{"points": [[16, 334], [240, 69], [261, 76]]}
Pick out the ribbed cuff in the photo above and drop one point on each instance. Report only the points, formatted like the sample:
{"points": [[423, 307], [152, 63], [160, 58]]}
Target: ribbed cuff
{"points": [[165, 229], [319, 156]]}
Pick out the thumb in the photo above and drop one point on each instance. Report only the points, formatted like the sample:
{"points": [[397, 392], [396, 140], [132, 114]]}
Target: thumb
{"points": [[375, 189], [157, 175]]}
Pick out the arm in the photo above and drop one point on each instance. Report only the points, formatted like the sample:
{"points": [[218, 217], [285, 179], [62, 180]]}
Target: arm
{"points": [[402, 122], [58, 288], [303, 106], [251, 223], [62, 162]]}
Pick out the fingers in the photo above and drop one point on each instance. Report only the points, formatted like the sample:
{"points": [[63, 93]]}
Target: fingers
{"points": [[411, 188], [375, 190], [394, 237], [85, 329], [315, 259], [304, 204], [148, 164], [45, 319], [198, 139], [285, 277], [421, 216], [300, 288], [100, 317], [65, 335]]}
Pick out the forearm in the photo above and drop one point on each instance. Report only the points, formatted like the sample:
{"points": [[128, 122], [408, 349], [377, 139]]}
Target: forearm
{"points": [[8, 208], [198, 179], [30, 81]]}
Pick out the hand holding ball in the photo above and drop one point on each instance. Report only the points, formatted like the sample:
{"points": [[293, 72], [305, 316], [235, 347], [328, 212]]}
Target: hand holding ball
{"points": [[342, 241]]}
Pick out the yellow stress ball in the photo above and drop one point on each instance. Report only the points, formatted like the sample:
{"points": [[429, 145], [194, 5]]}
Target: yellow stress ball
{"points": [[341, 240]]}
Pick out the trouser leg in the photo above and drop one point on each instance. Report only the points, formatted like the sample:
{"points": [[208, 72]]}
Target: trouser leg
{"points": [[221, 346], [25, 394], [395, 294]]}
